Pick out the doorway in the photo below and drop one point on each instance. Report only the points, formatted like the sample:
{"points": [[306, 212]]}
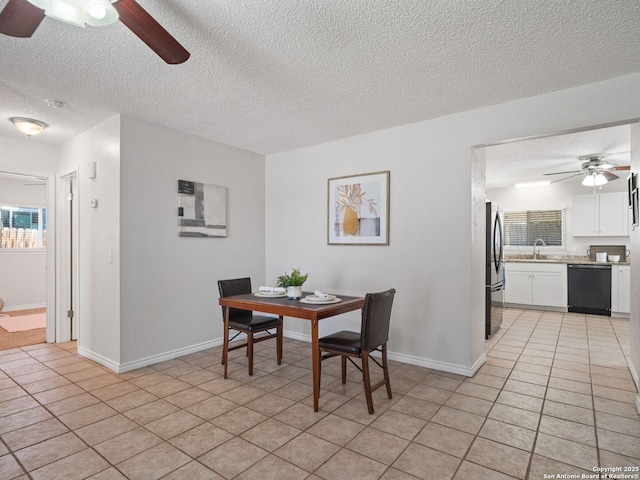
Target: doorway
{"points": [[24, 250]]}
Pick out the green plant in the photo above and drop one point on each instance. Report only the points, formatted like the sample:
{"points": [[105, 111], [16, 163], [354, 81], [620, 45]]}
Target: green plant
{"points": [[296, 279]]}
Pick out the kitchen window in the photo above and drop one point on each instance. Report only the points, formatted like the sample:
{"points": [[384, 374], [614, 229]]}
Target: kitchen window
{"points": [[22, 227], [523, 228]]}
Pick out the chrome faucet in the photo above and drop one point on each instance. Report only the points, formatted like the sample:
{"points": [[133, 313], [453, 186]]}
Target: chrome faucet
{"points": [[535, 244]]}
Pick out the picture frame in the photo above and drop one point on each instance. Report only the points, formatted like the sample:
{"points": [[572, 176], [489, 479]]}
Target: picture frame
{"points": [[358, 209], [631, 186], [202, 210], [634, 209]]}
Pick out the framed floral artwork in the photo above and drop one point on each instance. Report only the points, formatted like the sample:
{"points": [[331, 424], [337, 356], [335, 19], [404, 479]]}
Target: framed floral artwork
{"points": [[358, 209]]}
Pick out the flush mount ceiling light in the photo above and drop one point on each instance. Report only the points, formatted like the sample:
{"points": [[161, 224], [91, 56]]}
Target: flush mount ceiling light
{"points": [[533, 184], [28, 126], [97, 13]]}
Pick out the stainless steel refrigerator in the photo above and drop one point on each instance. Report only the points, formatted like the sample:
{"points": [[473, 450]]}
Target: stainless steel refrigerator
{"points": [[494, 281]]}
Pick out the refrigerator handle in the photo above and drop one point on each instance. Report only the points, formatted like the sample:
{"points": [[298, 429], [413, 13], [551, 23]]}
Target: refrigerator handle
{"points": [[497, 242]]}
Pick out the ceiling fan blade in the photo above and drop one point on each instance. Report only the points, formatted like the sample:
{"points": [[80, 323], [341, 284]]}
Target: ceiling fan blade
{"points": [[609, 176], [20, 18], [563, 173], [138, 20], [621, 167], [566, 178]]}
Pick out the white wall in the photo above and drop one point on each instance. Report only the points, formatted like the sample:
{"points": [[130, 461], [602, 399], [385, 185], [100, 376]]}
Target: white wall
{"points": [[23, 282], [168, 289], [99, 281], [559, 195], [435, 259]]}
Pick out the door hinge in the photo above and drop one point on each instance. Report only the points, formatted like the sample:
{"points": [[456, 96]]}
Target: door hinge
{"points": [[69, 313], [70, 196]]}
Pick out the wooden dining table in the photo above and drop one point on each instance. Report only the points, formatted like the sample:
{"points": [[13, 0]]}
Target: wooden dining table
{"points": [[283, 306]]}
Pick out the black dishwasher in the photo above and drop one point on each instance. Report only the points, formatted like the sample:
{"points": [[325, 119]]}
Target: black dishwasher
{"points": [[589, 288]]}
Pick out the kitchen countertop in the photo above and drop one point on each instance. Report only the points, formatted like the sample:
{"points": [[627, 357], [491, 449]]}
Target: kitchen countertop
{"points": [[574, 259]]}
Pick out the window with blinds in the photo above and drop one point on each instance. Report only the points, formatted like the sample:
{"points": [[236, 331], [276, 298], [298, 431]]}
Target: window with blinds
{"points": [[525, 227], [23, 227]]}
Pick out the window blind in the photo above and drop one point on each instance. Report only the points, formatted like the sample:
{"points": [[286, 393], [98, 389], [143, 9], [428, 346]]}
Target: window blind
{"points": [[523, 228]]}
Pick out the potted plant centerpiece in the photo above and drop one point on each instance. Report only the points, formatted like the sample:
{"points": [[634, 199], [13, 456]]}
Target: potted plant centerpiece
{"points": [[293, 283]]}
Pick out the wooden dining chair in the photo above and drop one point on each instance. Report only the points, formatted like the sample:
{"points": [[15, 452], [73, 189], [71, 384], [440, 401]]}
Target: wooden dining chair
{"points": [[373, 336], [244, 321]]}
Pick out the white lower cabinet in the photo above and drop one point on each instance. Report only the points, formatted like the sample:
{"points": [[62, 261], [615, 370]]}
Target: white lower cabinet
{"points": [[536, 284], [620, 289]]}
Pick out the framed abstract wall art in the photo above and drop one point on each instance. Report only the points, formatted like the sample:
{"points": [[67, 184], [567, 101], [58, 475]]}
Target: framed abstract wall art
{"points": [[358, 209], [202, 210]]}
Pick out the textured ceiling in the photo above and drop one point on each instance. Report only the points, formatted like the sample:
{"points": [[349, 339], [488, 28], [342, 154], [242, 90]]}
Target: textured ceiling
{"points": [[274, 75], [528, 160]]}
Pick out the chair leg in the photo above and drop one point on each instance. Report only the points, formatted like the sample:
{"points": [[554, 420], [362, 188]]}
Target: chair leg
{"points": [[367, 381], [319, 370], [225, 346], [343, 359], [385, 369], [250, 351], [279, 342]]}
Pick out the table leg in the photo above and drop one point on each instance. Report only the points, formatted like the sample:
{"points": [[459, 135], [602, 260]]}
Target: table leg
{"points": [[315, 364]]}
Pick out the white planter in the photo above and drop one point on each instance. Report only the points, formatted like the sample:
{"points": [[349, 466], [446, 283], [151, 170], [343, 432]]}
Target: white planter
{"points": [[294, 292]]}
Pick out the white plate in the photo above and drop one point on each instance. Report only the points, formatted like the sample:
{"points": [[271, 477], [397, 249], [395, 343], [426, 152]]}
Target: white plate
{"points": [[270, 294], [314, 298], [320, 302]]}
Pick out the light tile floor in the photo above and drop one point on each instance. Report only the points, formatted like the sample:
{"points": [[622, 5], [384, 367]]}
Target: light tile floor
{"points": [[554, 397]]}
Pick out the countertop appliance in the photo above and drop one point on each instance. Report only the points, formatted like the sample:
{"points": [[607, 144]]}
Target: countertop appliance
{"points": [[494, 275], [589, 289]]}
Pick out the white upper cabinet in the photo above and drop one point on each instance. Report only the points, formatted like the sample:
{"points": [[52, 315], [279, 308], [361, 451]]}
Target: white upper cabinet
{"points": [[601, 214]]}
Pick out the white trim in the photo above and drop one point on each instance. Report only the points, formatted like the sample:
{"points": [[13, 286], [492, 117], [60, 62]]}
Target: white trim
{"points": [[536, 307], [636, 380], [144, 362], [22, 251], [442, 366], [163, 357], [14, 308], [413, 360], [303, 337]]}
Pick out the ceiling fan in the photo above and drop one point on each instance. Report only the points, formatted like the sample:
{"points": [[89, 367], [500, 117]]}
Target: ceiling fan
{"points": [[21, 18], [596, 169]]}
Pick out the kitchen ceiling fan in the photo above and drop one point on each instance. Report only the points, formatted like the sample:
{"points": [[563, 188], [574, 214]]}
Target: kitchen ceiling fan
{"points": [[597, 170], [21, 18]]}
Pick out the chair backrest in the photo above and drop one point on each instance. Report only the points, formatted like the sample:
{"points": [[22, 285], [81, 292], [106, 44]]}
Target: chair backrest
{"points": [[376, 315], [235, 286]]}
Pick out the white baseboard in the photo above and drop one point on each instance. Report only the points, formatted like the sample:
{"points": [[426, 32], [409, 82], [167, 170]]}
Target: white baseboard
{"points": [[146, 361], [14, 308], [163, 357], [437, 365], [413, 360], [104, 361], [636, 380]]}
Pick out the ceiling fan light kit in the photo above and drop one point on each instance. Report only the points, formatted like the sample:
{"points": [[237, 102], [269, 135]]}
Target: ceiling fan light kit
{"points": [[597, 171], [97, 13], [21, 18], [594, 180], [28, 126]]}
